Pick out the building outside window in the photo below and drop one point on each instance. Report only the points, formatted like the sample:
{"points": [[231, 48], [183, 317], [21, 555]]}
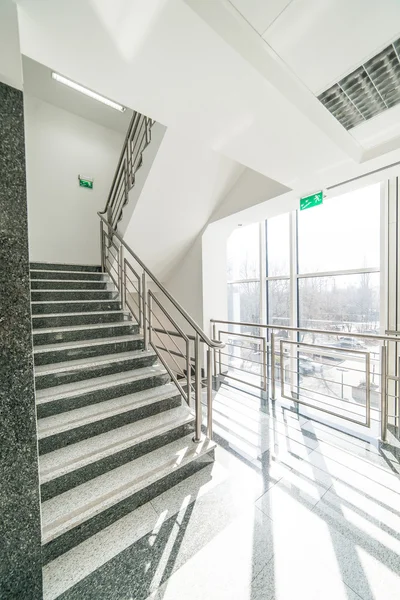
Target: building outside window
{"points": [[322, 271]]}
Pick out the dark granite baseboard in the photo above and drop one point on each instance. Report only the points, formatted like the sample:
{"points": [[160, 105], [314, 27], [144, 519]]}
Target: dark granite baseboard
{"points": [[20, 549]]}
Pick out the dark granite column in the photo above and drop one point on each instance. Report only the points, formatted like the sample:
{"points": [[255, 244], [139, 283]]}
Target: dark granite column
{"points": [[20, 548]]}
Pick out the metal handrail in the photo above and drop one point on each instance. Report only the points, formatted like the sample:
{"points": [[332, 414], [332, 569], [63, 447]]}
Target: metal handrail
{"points": [[203, 336], [116, 259], [308, 330], [136, 141], [385, 376]]}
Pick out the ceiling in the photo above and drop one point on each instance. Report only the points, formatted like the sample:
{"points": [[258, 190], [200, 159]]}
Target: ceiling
{"points": [[240, 76], [323, 40], [38, 82]]}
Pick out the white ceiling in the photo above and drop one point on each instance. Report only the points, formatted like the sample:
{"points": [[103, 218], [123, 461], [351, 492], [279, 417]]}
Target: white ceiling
{"points": [[260, 13], [200, 68], [323, 40], [38, 82]]}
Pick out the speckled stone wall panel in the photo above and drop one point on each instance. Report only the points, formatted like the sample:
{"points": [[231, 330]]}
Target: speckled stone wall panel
{"points": [[20, 547]]}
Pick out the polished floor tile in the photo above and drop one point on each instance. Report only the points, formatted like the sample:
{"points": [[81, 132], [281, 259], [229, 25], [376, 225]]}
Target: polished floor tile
{"points": [[293, 511]]}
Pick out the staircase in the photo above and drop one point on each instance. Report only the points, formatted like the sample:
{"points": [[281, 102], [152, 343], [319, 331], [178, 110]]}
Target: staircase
{"points": [[113, 429]]}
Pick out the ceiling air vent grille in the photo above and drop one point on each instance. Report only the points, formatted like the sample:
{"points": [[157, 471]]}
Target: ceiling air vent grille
{"points": [[367, 91]]}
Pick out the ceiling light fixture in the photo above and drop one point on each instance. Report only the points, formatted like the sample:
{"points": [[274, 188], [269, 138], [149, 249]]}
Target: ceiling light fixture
{"points": [[83, 90]]}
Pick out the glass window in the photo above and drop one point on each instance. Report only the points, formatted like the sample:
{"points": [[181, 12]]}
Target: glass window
{"points": [[342, 233], [243, 250], [278, 245], [244, 303], [278, 299], [343, 303]]}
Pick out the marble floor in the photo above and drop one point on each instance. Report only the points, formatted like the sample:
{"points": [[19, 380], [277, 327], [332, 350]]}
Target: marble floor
{"points": [[289, 510]]}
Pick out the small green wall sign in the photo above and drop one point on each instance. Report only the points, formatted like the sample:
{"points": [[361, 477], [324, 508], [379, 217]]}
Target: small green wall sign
{"points": [[310, 201], [85, 182]]}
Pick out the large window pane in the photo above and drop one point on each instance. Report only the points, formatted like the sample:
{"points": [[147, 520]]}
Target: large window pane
{"points": [[243, 250], [278, 301], [278, 246], [244, 303], [344, 303], [343, 233]]}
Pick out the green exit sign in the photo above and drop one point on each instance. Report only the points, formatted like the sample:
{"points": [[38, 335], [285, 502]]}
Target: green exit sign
{"points": [[85, 182], [310, 201]]}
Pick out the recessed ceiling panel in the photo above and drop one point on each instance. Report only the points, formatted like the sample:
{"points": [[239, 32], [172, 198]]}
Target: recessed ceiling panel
{"points": [[323, 40], [368, 91], [260, 13]]}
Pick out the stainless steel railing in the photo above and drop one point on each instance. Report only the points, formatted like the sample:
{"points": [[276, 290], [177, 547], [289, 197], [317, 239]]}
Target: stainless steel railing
{"points": [[138, 137], [309, 367], [181, 345]]}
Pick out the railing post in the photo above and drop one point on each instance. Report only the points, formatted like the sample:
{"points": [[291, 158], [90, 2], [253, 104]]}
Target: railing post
{"points": [[122, 276], [264, 363], [102, 247], [188, 375], [144, 312], [273, 391], [384, 401], [197, 388], [147, 130], [209, 395], [214, 333]]}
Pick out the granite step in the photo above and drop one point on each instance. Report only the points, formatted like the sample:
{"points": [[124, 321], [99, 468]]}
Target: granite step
{"points": [[70, 396], [95, 317], [73, 426], [64, 267], [70, 518], [55, 353], [71, 284], [70, 295], [74, 306], [74, 333], [64, 469], [87, 368], [68, 275]]}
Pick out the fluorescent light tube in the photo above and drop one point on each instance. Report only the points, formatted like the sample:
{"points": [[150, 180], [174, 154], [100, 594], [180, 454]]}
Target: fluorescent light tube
{"points": [[83, 90]]}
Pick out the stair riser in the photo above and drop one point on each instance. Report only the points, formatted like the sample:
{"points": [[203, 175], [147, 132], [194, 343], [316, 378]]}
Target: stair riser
{"points": [[86, 334], [68, 296], [78, 434], [53, 379], [72, 538], [75, 284], [78, 276], [70, 320], [65, 267], [56, 407], [56, 356], [79, 476], [69, 307]]}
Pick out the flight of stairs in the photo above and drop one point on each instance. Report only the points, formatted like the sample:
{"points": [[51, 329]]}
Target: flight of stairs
{"points": [[113, 430]]}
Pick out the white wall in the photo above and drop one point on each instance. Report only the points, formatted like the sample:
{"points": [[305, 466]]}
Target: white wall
{"points": [[62, 217], [186, 182], [10, 56]]}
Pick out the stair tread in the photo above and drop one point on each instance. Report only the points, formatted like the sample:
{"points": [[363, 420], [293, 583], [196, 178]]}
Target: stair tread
{"points": [[95, 384], [72, 301], [89, 327], [84, 363], [55, 271], [66, 421], [43, 348], [75, 314], [65, 460], [68, 510], [71, 291], [36, 280]]}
